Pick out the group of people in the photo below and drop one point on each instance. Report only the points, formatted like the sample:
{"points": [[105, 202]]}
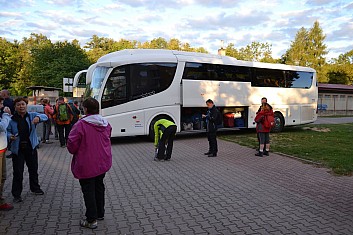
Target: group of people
{"points": [[165, 131], [63, 116], [18, 134], [88, 139]]}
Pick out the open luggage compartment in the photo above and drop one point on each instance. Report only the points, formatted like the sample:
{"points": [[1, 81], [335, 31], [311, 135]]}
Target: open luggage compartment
{"points": [[233, 117]]}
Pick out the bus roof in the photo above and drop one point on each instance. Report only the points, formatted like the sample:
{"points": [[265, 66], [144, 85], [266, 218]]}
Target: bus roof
{"points": [[161, 55]]}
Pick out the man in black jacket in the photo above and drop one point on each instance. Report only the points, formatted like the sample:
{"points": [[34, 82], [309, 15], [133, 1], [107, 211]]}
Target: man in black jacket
{"points": [[213, 119]]}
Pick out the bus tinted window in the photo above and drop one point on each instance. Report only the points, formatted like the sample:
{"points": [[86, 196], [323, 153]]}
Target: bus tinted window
{"points": [[135, 81], [295, 79], [268, 78], [216, 72], [149, 79], [115, 90]]}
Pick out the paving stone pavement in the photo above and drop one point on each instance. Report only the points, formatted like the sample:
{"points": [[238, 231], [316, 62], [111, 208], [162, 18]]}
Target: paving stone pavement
{"points": [[235, 193]]}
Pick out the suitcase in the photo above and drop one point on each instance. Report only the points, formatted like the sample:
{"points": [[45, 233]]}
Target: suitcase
{"points": [[196, 121], [228, 120], [239, 122], [187, 126]]}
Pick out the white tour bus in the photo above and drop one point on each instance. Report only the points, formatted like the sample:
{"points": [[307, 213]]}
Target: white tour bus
{"points": [[135, 88]]}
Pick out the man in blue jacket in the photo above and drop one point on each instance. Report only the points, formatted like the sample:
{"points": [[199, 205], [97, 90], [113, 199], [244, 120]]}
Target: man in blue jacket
{"points": [[24, 141]]}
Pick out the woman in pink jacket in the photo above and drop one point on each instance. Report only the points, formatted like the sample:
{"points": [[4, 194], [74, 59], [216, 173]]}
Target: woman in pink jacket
{"points": [[89, 142]]}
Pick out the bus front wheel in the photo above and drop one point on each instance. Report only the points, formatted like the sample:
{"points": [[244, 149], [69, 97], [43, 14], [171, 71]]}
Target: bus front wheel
{"points": [[279, 122]]}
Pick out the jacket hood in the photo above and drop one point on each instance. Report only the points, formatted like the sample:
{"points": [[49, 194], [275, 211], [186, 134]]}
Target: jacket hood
{"points": [[96, 120]]}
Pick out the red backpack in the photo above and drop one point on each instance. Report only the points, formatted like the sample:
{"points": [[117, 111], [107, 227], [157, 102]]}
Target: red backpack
{"points": [[269, 121]]}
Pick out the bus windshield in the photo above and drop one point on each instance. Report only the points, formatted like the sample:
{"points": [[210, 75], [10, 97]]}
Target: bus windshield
{"points": [[93, 88]]}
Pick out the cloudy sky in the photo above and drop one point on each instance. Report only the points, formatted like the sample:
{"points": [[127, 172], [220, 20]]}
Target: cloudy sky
{"points": [[199, 22]]}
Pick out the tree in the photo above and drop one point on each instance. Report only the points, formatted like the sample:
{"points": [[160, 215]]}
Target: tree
{"points": [[174, 44], [337, 77], [340, 70], [297, 53], [24, 78], [158, 43], [308, 49], [9, 62], [256, 51], [53, 62]]}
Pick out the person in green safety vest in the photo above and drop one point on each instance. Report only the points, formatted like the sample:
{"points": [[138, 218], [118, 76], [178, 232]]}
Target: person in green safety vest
{"points": [[164, 134]]}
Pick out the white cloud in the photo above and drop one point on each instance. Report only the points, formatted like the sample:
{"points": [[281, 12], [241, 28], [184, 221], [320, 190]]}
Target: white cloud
{"points": [[199, 22], [344, 32], [86, 32], [42, 25], [9, 14], [319, 2], [234, 20]]}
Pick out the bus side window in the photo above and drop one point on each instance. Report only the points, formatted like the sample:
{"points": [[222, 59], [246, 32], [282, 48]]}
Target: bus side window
{"points": [[268, 78], [149, 79], [295, 79]]}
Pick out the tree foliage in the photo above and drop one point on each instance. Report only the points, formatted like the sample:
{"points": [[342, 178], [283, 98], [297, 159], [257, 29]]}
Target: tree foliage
{"points": [[255, 51], [308, 49], [36, 60], [53, 62], [340, 70]]}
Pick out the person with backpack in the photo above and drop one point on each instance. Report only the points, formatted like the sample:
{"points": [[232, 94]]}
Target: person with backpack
{"points": [[264, 123], [213, 121], [263, 101], [164, 134], [75, 112], [63, 116]]}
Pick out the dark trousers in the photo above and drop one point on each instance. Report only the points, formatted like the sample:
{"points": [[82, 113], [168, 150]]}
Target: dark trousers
{"points": [[30, 157], [64, 131], [212, 141], [167, 138], [93, 194], [46, 130]]}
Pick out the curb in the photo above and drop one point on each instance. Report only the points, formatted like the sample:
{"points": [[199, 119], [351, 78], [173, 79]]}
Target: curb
{"points": [[299, 159]]}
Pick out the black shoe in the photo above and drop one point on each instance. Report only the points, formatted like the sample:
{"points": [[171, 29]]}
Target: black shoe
{"points": [[100, 218], [38, 192], [208, 153], [212, 155], [266, 153], [259, 154], [17, 200], [86, 224], [167, 159]]}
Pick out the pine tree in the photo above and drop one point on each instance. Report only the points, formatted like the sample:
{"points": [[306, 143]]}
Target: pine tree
{"points": [[308, 49], [297, 53]]}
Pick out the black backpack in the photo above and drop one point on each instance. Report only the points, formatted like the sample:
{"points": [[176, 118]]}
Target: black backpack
{"points": [[219, 119]]}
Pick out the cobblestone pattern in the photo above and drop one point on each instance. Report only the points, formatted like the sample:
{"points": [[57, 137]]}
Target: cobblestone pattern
{"points": [[235, 193]]}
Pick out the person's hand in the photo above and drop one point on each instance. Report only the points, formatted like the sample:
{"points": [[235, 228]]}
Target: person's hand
{"points": [[203, 116], [7, 110], [13, 137], [36, 120]]}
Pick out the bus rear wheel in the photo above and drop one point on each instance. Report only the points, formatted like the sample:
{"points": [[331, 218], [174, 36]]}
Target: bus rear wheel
{"points": [[279, 123], [151, 129]]}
